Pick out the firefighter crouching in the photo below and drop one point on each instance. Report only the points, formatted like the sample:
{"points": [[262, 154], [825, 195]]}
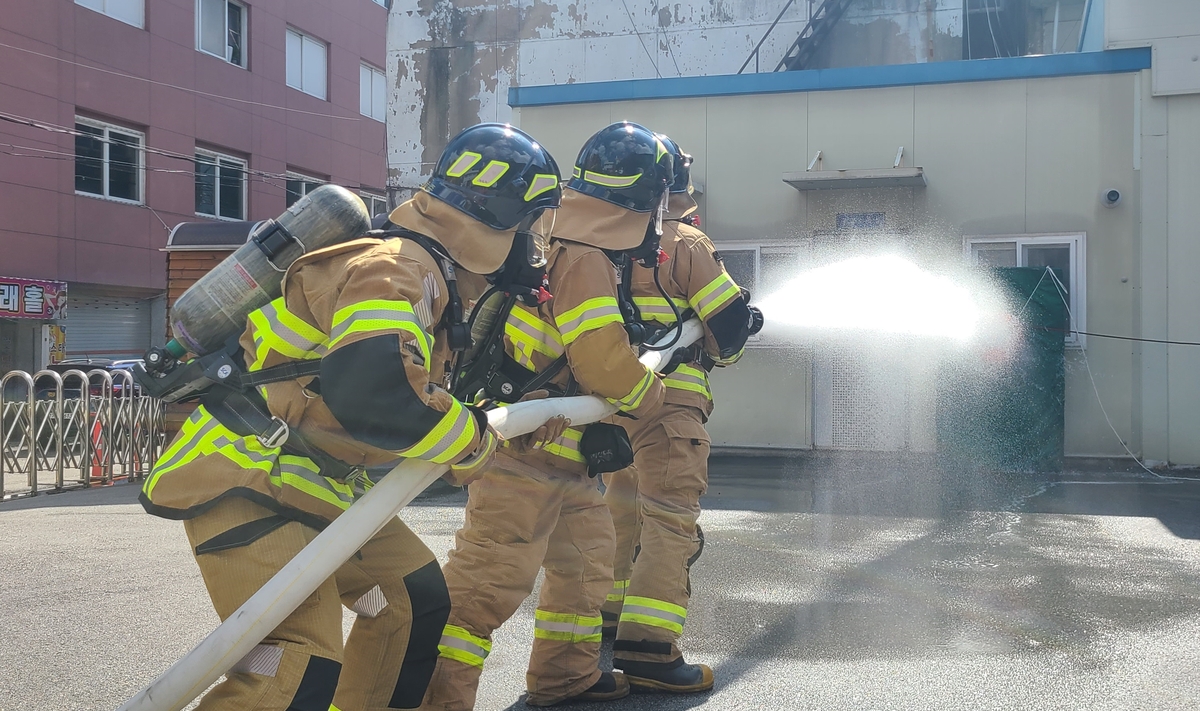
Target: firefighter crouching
{"points": [[655, 503], [377, 316], [537, 507]]}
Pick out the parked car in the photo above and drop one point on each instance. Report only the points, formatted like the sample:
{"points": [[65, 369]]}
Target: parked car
{"points": [[45, 388]]}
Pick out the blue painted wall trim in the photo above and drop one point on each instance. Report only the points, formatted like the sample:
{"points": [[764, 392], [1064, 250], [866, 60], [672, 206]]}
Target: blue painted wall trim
{"points": [[1055, 65]]}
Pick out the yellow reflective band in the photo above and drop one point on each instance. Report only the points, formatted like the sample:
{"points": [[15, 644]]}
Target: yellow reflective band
{"points": [[449, 439], [685, 377], [529, 334], [590, 315], [198, 426], [655, 613], [277, 329], [382, 316], [492, 173], [566, 446], [635, 396], [576, 174], [542, 183], [303, 475], [202, 435], [618, 591], [566, 627], [462, 646], [714, 295], [656, 308], [611, 181], [463, 163]]}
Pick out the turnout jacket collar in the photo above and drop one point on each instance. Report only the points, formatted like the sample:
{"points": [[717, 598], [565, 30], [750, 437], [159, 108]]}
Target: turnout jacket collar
{"points": [[471, 244], [591, 221]]}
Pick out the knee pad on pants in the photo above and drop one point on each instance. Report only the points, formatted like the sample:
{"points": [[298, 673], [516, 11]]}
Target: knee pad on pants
{"points": [[318, 685], [430, 601]]}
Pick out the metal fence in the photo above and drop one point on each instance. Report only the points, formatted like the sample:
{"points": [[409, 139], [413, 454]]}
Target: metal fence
{"points": [[74, 429]]}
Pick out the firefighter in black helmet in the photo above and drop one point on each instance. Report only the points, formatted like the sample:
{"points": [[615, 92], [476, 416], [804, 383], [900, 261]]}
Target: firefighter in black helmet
{"points": [[538, 507], [378, 317]]}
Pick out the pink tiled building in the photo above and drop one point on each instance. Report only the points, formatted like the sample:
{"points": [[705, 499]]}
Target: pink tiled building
{"points": [[121, 118]]}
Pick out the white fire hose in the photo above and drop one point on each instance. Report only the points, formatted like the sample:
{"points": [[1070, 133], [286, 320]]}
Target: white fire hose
{"points": [[266, 609]]}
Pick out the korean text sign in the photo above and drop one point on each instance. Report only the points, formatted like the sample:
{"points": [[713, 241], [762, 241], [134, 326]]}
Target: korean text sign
{"points": [[32, 298]]}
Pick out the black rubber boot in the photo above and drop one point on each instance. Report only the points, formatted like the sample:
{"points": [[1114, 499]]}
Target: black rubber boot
{"points": [[609, 687], [675, 677]]}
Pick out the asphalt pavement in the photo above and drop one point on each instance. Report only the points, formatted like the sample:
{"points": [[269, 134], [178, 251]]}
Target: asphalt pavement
{"points": [[824, 584]]}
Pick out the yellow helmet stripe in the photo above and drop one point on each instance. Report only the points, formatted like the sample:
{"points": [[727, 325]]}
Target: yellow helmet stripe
{"points": [[660, 150], [611, 181], [542, 182], [492, 173], [464, 163]]}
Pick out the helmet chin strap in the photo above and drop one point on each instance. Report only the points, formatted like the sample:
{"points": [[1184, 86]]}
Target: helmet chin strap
{"points": [[661, 212]]}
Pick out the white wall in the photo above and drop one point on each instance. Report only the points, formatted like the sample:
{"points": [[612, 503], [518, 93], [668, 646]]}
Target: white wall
{"points": [[1171, 27], [1010, 157]]}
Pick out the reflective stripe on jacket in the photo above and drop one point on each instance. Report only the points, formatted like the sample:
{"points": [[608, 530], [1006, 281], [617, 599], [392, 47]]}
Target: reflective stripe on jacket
{"points": [[342, 295]]}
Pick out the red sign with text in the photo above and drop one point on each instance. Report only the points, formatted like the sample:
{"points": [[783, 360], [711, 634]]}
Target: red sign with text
{"points": [[32, 298]]}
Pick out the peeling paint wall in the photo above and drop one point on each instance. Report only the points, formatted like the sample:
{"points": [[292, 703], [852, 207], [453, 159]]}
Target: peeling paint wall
{"points": [[451, 62]]}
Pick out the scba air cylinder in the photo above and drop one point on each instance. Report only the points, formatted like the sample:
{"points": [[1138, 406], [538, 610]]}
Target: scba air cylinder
{"points": [[215, 307]]}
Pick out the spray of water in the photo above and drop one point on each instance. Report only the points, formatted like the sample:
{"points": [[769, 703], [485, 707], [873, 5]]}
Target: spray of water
{"points": [[875, 294]]}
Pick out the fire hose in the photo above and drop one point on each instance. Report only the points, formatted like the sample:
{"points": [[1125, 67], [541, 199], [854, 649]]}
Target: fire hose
{"points": [[281, 595]]}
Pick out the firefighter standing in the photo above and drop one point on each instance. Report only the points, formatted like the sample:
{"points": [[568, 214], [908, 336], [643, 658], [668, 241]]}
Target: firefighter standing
{"points": [[255, 475], [655, 504], [537, 507]]}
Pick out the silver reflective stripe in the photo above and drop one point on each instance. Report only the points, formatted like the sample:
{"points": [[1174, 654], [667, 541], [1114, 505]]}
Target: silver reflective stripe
{"points": [[187, 449], [378, 315], [450, 438], [594, 312], [652, 612], [239, 443], [263, 660], [286, 334], [687, 377], [371, 604], [580, 630], [464, 645], [533, 333], [316, 479]]}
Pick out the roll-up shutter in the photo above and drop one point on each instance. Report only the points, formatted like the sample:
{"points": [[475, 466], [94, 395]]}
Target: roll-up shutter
{"points": [[115, 327]]}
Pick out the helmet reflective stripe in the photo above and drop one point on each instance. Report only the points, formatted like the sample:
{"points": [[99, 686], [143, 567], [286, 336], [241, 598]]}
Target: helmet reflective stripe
{"points": [[659, 150], [464, 163], [489, 175], [577, 173], [541, 183], [611, 181]]}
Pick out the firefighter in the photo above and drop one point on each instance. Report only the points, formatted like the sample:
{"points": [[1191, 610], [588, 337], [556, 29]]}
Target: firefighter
{"points": [[255, 476], [655, 503], [537, 507]]}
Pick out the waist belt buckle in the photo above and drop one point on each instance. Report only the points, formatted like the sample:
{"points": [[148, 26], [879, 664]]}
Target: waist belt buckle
{"points": [[277, 436]]}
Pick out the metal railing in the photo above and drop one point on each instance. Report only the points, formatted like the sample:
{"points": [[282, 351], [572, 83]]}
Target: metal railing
{"points": [[75, 429]]}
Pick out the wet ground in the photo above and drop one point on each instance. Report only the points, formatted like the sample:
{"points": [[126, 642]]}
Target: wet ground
{"points": [[824, 585]]}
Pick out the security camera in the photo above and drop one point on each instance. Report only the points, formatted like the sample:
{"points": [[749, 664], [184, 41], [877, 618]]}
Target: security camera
{"points": [[1111, 197]]}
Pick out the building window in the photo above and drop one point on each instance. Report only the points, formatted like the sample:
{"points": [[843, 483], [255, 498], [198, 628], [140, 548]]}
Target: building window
{"points": [[108, 160], [131, 12], [372, 92], [1065, 254], [760, 268], [220, 186], [376, 204], [385, 3], [306, 63], [300, 185], [220, 30]]}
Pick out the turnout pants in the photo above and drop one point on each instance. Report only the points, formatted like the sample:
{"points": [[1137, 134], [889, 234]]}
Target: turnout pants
{"points": [[654, 505], [519, 520], [393, 583]]}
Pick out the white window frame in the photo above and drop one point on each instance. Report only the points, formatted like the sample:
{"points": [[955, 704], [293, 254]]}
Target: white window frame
{"points": [[383, 3], [771, 246], [1078, 244], [368, 73], [304, 37], [217, 157], [228, 51], [306, 179], [102, 7], [141, 158], [368, 196]]}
